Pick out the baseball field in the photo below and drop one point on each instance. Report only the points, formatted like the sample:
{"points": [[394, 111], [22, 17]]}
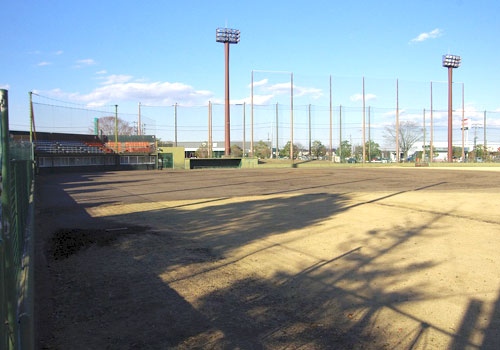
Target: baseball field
{"points": [[329, 258]]}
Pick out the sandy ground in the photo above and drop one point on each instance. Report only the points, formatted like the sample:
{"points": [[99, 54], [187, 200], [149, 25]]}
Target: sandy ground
{"points": [[357, 258]]}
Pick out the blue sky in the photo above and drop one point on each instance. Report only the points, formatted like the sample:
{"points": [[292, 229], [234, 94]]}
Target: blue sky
{"points": [[161, 52]]}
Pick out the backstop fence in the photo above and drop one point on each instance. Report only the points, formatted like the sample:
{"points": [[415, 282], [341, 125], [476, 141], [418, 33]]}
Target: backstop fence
{"points": [[16, 239]]}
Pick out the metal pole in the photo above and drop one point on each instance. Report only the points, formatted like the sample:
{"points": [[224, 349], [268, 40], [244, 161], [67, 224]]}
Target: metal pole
{"points": [[310, 148], [450, 116], [175, 123], [211, 131], [9, 324], [369, 137], [463, 124], [397, 121], [340, 133], [31, 116], [244, 143], [139, 129], [116, 128], [251, 128], [227, 148], [291, 117], [485, 156], [364, 142], [423, 153], [277, 138], [209, 142], [331, 124], [431, 152]]}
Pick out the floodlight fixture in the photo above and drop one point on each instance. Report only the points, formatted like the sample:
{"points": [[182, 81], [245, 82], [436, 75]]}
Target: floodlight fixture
{"points": [[450, 62], [227, 36]]}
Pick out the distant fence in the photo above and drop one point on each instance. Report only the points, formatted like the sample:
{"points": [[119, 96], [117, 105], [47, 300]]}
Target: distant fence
{"points": [[423, 105], [16, 239]]}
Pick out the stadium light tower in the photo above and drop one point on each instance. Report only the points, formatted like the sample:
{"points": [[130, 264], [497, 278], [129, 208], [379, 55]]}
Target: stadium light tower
{"points": [[227, 36], [450, 62]]}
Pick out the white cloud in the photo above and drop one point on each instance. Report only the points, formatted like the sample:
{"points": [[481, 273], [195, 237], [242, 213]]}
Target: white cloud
{"points": [[298, 91], [44, 63], [257, 100], [85, 62], [259, 83], [5, 86], [116, 79], [433, 34], [101, 72], [35, 52], [157, 93], [359, 97], [57, 53]]}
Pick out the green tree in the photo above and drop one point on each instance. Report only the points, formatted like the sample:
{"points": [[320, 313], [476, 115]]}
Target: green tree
{"points": [[236, 151], [262, 150], [372, 150], [285, 151], [318, 149], [346, 149], [479, 152], [428, 152]]}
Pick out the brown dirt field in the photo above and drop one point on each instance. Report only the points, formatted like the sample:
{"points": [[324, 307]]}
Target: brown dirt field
{"points": [[354, 258]]}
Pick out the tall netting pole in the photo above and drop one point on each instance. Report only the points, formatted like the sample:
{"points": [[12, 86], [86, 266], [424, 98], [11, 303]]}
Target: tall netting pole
{"points": [[340, 133], [331, 124], [397, 121], [485, 143], [431, 152], [423, 147], [463, 124], [251, 117], [175, 123], [116, 128], [364, 142], [291, 117], [244, 127], [277, 135]]}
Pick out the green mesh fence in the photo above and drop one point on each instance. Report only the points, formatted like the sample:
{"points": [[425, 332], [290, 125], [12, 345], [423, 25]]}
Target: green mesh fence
{"points": [[16, 239]]}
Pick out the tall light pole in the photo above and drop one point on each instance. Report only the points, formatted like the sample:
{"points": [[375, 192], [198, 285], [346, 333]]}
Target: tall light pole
{"points": [[450, 62], [227, 36]]}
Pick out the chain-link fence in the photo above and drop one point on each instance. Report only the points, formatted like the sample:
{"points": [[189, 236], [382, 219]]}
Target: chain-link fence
{"points": [[335, 114], [16, 239]]}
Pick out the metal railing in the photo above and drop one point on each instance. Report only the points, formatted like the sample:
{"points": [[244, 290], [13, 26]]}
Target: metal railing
{"points": [[16, 238]]}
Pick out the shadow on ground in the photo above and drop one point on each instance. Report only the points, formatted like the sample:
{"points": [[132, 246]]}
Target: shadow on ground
{"points": [[175, 284]]}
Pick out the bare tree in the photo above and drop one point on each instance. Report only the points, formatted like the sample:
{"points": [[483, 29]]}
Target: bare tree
{"points": [[409, 133], [106, 126]]}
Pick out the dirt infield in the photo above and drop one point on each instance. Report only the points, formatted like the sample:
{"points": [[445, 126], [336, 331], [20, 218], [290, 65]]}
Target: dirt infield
{"points": [[355, 258]]}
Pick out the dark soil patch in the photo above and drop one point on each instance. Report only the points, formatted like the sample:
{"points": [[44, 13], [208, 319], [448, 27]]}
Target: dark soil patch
{"points": [[69, 241]]}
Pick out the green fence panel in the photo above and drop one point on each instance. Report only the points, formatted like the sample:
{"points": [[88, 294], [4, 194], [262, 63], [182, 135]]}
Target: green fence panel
{"points": [[16, 238]]}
